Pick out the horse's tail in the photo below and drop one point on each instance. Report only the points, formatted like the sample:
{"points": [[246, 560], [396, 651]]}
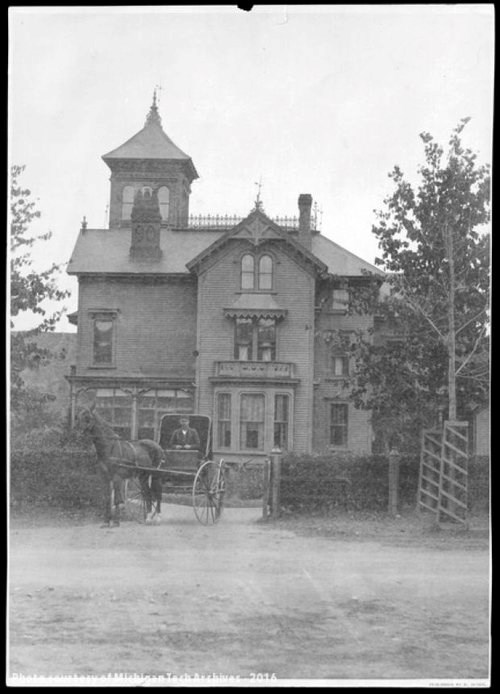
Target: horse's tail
{"points": [[154, 450]]}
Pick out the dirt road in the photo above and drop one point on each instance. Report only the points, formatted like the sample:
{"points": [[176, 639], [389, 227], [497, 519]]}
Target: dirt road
{"points": [[241, 598]]}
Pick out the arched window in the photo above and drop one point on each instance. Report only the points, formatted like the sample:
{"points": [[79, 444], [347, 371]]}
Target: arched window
{"points": [[266, 272], [163, 199], [147, 192], [247, 272], [127, 201]]}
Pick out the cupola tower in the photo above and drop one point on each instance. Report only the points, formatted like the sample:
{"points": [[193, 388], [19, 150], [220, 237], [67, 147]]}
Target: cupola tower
{"points": [[150, 163]]}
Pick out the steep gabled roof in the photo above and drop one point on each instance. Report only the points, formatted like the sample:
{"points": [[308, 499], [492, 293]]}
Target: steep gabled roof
{"points": [[257, 228]]}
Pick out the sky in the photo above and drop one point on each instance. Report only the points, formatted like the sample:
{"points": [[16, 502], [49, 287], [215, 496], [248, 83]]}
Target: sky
{"points": [[307, 99]]}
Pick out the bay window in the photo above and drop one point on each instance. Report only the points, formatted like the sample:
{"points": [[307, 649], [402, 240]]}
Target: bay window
{"points": [[281, 410], [252, 421], [224, 420]]}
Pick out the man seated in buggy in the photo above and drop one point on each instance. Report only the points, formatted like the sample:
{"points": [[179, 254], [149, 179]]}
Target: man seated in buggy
{"points": [[185, 437]]}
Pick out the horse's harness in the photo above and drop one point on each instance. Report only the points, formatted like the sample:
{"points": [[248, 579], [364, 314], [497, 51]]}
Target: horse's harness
{"points": [[113, 459], [121, 460]]}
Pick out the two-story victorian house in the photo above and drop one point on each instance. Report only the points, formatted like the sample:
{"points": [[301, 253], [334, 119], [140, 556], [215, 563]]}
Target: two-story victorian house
{"points": [[223, 317]]}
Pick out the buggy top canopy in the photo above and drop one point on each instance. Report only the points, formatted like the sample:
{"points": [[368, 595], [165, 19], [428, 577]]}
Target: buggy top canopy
{"points": [[202, 424]]}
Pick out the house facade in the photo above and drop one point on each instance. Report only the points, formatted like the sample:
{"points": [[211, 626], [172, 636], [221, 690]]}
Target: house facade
{"points": [[244, 320]]}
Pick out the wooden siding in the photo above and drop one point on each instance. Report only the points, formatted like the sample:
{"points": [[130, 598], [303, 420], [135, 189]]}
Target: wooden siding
{"points": [[219, 287], [155, 326], [329, 389]]}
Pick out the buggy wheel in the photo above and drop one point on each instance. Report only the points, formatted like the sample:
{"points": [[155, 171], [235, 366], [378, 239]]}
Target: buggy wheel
{"points": [[135, 503], [208, 493]]}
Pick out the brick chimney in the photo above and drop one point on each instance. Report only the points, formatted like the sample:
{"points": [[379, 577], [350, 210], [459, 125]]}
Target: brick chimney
{"points": [[305, 204], [146, 220]]}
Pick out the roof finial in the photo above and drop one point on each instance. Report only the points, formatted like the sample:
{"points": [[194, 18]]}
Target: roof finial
{"points": [[153, 115], [258, 201], [84, 223]]}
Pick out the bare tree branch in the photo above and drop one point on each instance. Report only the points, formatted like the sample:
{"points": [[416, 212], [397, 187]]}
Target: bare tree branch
{"points": [[471, 320], [471, 353]]}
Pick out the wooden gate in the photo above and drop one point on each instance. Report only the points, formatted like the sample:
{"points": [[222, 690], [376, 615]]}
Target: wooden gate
{"points": [[442, 486]]}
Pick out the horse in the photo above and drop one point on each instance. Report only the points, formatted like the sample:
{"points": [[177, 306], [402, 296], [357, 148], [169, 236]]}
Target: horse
{"points": [[112, 450]]}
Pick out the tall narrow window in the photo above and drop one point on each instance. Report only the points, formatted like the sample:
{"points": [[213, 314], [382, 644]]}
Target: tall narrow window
{"points": [[339, 365], [247, 271], [281, 415], [224, 420], [127, 201], [266, 339], [243, 344], [266, 272], [252, 422], [164, 202], [103, 340], [340, 300], [338, 424]]}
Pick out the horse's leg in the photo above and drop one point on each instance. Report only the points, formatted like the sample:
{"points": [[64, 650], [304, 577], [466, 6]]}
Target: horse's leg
{"points": [[107, 500], [146, 492], [118, 483], [156, 489]]}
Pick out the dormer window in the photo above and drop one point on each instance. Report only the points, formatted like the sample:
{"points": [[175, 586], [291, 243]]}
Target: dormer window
{"points": [[164, 201], [127, 201], [256, 273]]}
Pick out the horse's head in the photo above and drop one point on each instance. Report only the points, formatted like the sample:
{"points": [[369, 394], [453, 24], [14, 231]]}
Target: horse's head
{"points": [[85, 419]]}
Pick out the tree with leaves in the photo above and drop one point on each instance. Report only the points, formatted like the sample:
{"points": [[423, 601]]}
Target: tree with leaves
{"points": [[435, 252], [29, 289]]}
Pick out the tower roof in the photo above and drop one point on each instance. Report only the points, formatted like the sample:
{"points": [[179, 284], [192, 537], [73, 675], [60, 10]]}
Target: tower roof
{"points": [[150, 143]]}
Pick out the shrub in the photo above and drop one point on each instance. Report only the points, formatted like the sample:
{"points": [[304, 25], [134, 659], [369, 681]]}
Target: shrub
{"points": [[250, 482], [311, 482], [479, 483], [54, 469]]}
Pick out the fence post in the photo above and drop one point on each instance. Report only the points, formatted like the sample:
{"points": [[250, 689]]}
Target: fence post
{"points": [[266, 490], [394, 460], [275, 481]]}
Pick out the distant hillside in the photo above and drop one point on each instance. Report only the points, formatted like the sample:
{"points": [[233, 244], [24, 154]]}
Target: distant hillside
{"points": [[49, 377]]}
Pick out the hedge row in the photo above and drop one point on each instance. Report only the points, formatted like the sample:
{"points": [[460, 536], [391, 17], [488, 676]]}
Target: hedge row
{"points": [[63, 477], [313, 483]]}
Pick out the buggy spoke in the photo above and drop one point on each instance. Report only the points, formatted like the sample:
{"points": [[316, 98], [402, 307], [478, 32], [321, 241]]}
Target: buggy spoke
{"points": [[135, 503], [208, 492]]}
